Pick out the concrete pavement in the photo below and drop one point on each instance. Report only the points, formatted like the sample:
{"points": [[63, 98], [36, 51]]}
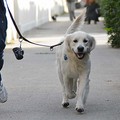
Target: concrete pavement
{"points": [[33, 86]]}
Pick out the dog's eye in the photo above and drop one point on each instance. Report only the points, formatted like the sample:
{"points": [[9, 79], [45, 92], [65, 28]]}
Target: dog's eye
{"points": [[75, 41], [85, 41]]}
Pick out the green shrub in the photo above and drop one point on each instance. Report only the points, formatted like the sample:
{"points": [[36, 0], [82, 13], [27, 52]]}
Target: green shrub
{"points": [[111, 13]]}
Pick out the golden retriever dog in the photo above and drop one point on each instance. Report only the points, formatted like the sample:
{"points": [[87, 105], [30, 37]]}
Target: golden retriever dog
{"points": [[74, 64]]}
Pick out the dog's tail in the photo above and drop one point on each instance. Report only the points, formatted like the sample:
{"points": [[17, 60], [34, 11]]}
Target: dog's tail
{"points": [[77, 24]]}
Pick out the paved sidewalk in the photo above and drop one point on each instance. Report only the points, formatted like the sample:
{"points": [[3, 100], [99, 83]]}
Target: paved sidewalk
{"points": [[33, 85]]}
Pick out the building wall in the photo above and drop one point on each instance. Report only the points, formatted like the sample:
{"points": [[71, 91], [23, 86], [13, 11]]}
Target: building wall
{"points": [[31, 13]]}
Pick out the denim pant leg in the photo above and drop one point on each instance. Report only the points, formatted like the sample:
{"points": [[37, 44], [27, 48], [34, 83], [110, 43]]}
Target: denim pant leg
{"points": [[3, 27]]}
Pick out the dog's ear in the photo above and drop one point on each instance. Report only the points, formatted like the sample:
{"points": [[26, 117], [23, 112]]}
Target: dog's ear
{"points": [[77, 24], [92, 42], [67, 40]]}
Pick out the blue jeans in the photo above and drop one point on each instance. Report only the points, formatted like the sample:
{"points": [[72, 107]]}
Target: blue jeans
{"points": [[3, 28]]}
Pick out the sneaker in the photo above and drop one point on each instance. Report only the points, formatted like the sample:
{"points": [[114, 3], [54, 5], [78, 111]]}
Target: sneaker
{"points": [[3, 94]]}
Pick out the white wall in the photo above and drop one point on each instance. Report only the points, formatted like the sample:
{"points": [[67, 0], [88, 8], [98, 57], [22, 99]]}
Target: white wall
{"points": [[32, 13]]}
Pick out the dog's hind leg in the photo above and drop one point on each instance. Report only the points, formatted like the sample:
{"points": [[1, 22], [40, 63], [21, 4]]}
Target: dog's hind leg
{"points": [[71, 92], [74, 85]]}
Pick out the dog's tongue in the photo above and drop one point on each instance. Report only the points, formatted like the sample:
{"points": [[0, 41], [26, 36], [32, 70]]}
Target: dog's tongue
{"points": [[80, 55]]}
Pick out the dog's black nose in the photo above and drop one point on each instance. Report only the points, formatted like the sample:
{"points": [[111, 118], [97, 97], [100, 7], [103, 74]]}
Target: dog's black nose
{"points": [[80, 49]]}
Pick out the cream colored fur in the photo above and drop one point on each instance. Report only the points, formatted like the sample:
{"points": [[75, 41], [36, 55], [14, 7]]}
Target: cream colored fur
{"points": [[74, 64]]}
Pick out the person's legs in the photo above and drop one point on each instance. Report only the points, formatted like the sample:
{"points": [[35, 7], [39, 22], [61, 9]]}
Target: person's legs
{"points": [[3, 28], [71, 8], [71, 15], [89, 20]]}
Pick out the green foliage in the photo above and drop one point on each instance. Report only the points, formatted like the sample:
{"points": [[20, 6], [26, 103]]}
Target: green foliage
{"points": [[111, 13]]}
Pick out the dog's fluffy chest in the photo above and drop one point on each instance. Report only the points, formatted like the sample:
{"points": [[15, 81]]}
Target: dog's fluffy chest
{"points": [[73, 67]]}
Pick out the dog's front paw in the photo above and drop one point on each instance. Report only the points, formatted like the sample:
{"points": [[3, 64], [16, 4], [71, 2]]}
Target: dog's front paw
{"points": [[80, 110], [80, 107], [65, 105]]}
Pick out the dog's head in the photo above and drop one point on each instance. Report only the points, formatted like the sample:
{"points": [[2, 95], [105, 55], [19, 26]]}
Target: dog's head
{"points": [[76, 41], [80, 43]]}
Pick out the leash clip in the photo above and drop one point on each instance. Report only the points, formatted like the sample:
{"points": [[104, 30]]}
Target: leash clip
{"points": [[20, 40], [51, 48]]}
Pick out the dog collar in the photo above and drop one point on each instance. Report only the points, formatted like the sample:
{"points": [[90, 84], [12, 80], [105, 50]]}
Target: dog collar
{"points": [[65, 57]]}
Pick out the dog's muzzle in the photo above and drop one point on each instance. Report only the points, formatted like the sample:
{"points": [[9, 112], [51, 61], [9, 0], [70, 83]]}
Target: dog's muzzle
{"points": [[80, 54]]}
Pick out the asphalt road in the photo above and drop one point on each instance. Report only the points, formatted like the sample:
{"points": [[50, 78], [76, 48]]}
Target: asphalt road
{"points": [[34, 88]]}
